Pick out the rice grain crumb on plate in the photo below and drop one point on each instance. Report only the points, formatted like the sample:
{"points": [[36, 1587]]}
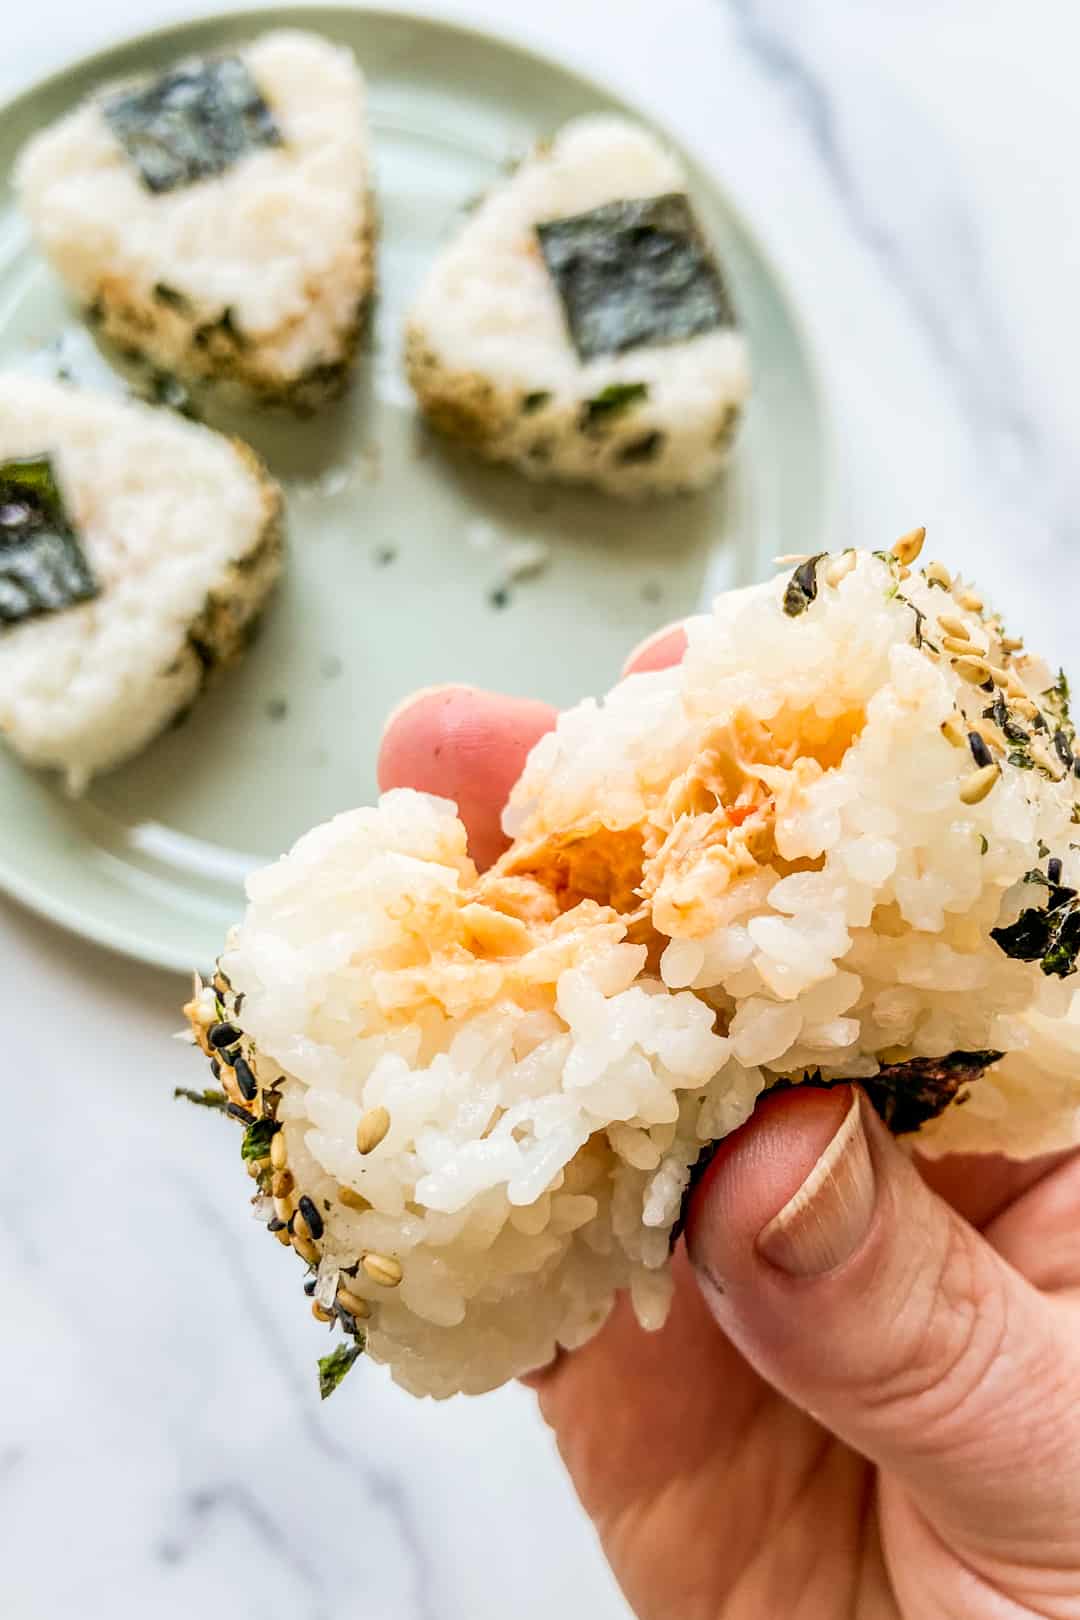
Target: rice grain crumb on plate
{"points": [[237, 254], [181, 531], [578, 327], [837, 843]]}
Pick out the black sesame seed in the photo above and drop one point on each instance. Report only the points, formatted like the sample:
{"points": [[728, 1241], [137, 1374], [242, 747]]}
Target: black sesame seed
{"points": [[240, 1113], [275, 1225], [1064, 751], [220, 1035], [245, 1079], [231, 1056], [239, 1002], [1053, 870], [311, 1215], [309, 1286], [215, 1068], [979, 751]]}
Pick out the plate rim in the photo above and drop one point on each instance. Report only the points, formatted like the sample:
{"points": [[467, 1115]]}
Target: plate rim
{"points": [[130, 939]]}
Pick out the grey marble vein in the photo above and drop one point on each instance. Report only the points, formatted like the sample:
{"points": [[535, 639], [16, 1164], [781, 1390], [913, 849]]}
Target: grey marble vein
{"points": [[238, 1501], [380, 1485], [955, 310]]}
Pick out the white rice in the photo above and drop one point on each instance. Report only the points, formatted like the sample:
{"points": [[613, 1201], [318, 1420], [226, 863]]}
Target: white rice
{"points": [[488, 330], [180, 527], [281, 239], [752, 866]]}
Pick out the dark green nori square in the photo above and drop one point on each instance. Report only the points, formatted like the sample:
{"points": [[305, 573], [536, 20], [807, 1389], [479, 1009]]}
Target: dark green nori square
{"points": [[634, 273], [192, 122], [1049, 935], [43, 568]]}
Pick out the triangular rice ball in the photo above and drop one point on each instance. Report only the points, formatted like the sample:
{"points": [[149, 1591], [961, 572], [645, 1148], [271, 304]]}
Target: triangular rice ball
{"points": [[579, 327], [217, 218], [136, 549]]}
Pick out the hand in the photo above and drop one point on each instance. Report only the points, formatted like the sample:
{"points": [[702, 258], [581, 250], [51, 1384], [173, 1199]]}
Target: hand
{"points": [[866, 1400]]}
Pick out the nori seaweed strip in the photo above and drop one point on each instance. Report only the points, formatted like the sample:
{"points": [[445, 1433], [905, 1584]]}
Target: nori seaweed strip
{"points": [[192, 122], [907, 1095], [43, 568], [904, 1096], [634, 273]]}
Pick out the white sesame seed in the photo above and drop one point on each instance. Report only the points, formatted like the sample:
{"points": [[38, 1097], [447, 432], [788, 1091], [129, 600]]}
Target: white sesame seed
{"points": [[974, 788], [382, 1268], [277, 1150], [840, 567], [371, 1129], [909, 545], [973, 670], [355, 1304], [351, 1199]]}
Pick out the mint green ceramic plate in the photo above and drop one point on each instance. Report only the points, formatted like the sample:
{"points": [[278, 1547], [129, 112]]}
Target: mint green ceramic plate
{"points": [[399, 550]]}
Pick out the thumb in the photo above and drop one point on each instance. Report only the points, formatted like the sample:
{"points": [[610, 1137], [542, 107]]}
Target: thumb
{"points": [[861, 1296]]}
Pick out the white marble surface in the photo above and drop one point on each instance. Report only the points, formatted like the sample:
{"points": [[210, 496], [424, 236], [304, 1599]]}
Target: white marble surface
{"points": [[162, 1450]]}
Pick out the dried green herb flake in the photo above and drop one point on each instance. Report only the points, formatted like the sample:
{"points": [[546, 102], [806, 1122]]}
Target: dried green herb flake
{"points": [[204, 1099], [257, 1139], [611, 402], [332, 1368], [191, 123], [43, 568], [634, 273]]}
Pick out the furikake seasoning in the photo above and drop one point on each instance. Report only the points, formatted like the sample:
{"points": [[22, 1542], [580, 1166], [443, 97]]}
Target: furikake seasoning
{"points": [[43, 568], [1049, 934], [634, 273], [193, 122]]}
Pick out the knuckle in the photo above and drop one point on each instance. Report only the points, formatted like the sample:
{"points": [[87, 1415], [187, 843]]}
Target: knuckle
{"points": [[949, 1335]]}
